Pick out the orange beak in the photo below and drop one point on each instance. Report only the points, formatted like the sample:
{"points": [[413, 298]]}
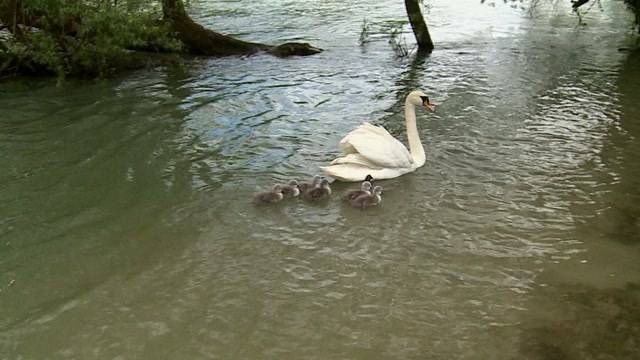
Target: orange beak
{"points": [[429, 106]]}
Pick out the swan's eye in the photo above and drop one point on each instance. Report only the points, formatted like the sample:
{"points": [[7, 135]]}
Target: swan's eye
{"points": [[425, 99]]}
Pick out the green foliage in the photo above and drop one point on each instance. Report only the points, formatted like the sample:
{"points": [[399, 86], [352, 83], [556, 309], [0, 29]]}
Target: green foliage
{"points": [[85, 38]]}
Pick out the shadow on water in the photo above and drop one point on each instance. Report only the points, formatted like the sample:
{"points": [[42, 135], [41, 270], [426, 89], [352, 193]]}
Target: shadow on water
{"points": [[118, 212], [619, 219], [197, 165], [408, 81], [594, 324], [591, 321], [128, 232]]}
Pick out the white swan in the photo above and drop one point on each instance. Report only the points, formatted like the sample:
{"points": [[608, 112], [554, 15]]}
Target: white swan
{"points": [[371, 150]]}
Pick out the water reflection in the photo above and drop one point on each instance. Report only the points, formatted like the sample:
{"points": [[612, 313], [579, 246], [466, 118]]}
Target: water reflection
{"points": [[618, 217], [593, 298], [126, 227], [68, 207]]}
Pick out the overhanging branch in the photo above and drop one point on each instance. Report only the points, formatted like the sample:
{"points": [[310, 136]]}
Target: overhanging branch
{"points": [[200, 40]]}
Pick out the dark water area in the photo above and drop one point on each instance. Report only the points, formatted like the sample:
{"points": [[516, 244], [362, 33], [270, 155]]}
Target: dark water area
{"points": [[126, 228]]}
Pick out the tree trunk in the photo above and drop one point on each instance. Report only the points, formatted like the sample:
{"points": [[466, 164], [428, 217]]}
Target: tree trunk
{"points": [[200, 40], [418, 25], [9, 15]]}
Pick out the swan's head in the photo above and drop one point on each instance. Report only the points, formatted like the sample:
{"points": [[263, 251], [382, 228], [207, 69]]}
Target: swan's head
{"points": [[366, 186], [377, 190], [418, 98]]}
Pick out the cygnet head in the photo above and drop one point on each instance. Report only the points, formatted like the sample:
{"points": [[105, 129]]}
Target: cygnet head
{"points": [[324, 183], [377, 190], [317, 179], [293, 183], [277, 188], [366, 186], [418, 98]]}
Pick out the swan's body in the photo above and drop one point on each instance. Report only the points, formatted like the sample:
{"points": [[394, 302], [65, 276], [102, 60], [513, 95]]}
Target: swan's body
{"points": [[371, 150], [269, 197], [365, 189], [291, 190], [306, 186], [321, 192], [368, 200]]}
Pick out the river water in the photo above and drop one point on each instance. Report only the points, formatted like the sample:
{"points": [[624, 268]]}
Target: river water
{"points": [[126, 229]]}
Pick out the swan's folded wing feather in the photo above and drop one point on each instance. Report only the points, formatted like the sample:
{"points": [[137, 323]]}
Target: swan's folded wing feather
{"points": [[355, 159], [349, 172], [376, 129], [377, 146], [362, 130]]}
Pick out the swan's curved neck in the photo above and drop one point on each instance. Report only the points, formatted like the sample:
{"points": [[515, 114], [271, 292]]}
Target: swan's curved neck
{"points": [[415, 146]]}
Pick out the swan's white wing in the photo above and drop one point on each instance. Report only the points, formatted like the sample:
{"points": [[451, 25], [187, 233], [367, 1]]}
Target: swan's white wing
{"points": [[355, 159], [377, 146], [365, 129], [354, 172]]}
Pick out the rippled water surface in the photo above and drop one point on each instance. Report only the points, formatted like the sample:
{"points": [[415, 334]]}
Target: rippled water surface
{"points": [[126, 229]]}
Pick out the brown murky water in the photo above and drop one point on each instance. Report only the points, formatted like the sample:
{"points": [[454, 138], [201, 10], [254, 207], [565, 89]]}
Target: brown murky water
{"points": [[126, 229]]}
